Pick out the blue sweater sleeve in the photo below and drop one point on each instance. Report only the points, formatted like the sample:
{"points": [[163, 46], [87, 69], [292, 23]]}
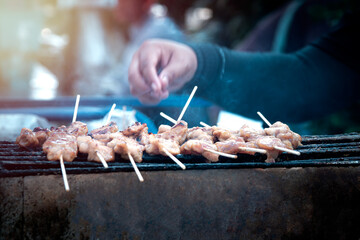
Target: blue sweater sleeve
{"points": [[310, 83]]}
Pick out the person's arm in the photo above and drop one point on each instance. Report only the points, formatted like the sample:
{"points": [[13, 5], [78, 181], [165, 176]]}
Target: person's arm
{"points": [[287, 87], [318, 79]]}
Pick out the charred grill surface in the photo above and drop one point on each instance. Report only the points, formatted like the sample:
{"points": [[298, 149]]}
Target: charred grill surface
{"points": [[321, 150]]}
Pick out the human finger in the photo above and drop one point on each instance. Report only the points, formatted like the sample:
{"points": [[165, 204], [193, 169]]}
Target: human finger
{"points": [[148, 64], [179, 70], [137, 83]]}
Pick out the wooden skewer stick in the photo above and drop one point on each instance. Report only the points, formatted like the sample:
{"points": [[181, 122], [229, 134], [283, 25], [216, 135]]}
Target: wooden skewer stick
{"points": [[141, 179], [174, 159], [221, 153], [168, 118], [62, 165], [110, 113], [63, 171], [165, 150], [248, 149], [264, 119], [288, 150], [187, 104], [76, 107], [204, 124], [102, 159]]}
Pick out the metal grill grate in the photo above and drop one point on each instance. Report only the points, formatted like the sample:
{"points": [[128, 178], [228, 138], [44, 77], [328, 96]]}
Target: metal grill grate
{"points": [[322, 150]]}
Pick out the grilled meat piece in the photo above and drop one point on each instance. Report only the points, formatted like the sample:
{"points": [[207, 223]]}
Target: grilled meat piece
{"points": [[198, 139], [102, 134], [282, 131], [134, 130], [230, 141], [168, 138], [106, 129], [93, 147], [224, 134], [269, 143], [201, 133], [123, 145], [127, 141], [232, 146], [77, 129], [249, 133], [27, 138], [60, 143], [155, 144], [176, 133], [163, 128], [197, 147], [41, 134]]}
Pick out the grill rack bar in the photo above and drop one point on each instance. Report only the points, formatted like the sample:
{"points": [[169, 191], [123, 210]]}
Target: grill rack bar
{"points": [[126, 167]]}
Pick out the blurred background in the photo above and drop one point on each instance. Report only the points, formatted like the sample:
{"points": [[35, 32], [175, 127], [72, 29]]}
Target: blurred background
{"points": [[54, 48]]}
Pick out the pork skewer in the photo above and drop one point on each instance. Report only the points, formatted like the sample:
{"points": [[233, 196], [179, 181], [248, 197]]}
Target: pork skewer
{"points": [[99, 155], [62, 165], [62, 146], [95, 145], [197, 144], [171, 156], [199, 141], [289, 144], [97, 151], [125, 143], [242, 148], [167, 141]]}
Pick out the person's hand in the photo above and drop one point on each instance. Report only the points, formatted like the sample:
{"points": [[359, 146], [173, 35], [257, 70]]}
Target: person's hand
{"points": [[159, 67]]}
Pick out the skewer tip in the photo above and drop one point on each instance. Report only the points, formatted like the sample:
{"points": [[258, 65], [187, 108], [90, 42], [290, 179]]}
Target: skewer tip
{"points": [[288, 150], [76, 107], [63, 171], [221, 153], [264, 119], [177, 161], [204, 124], [102, 160], [167, 117], [141, 179]]}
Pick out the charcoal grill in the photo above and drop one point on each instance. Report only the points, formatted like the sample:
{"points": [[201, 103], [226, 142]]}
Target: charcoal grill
{"points": [[312, 196]]}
